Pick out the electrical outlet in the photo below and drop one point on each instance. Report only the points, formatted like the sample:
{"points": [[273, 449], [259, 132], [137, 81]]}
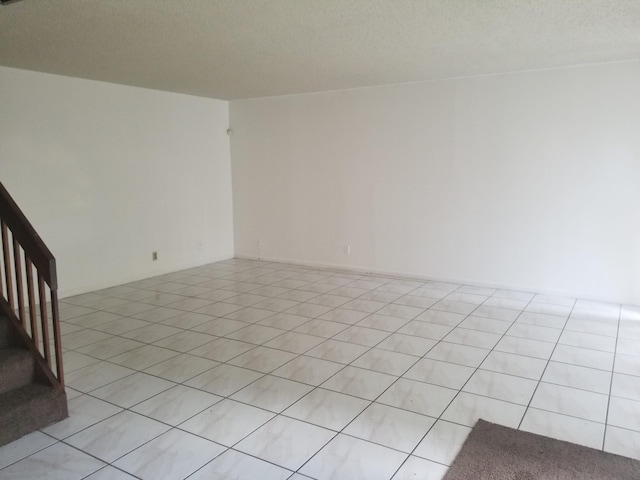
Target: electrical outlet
{"points": [[154, 256], [347, 249]]}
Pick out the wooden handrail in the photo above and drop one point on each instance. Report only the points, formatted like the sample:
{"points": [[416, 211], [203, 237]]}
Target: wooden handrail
{"points": [[26, 258], [28, 238]]}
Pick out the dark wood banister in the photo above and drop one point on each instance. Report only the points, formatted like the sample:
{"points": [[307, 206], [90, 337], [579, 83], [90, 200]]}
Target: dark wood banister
{"points": [[36, 256], [28, 238]]}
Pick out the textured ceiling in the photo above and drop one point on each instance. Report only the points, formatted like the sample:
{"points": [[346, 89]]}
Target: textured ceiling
{"points": [[232, 49]]}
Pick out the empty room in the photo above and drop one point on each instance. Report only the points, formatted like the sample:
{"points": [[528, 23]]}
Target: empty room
{"points": [[336, 239]]}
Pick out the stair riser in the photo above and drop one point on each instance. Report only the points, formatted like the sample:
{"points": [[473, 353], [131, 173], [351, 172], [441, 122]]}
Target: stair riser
{"points": [[31, 414], [6, 333], [16, 371]]}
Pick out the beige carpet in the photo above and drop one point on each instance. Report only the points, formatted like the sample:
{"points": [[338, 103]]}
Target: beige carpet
{"points": [[494, 452]]}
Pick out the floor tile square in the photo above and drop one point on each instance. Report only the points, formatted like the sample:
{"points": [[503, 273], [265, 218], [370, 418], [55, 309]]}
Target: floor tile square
{"points": [[534, 332], [407, 344], [143, 357], [84, 411], [294, 342], [227, 422], [570, 429], [343, 315], [109, 473], [473, 338], [309, 370], [109, 347], [272, 393], [418, 468], [176, 405], [449, 319], [460, 354], [355, 459], [321, 328], [434, 331], [526, 347], [96, 375], [57, 462], [385, 361], [359, 382], [583, 357], [390, 427], [182, 367], [468, 408], [500, 386], [239, 466], [485, 324], [588, 340], [627, 364], [418, 397], [309, 310], [263, 359], [440, 373], [443, 442], [222, 349], [622, 442], [185, 341], [133, 389], [511, 364], [382, 322], [23, 447], [335, 351], [220, 326], [454, 306], [570, 401], [117, 435], [286, 442], [497, 312], [327, 409], [175, 454], [591, 379], [224, 380], [362, 336], [151, 333]]}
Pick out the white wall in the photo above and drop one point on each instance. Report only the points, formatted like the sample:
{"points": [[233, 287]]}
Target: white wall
{"points": [[108, 173], [527, 180]]}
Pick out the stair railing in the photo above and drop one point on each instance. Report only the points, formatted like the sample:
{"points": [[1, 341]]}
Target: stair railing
{"points": [[29, 289]]}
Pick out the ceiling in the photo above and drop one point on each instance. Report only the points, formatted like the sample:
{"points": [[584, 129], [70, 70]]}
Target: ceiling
{"points": [[231, 49]]}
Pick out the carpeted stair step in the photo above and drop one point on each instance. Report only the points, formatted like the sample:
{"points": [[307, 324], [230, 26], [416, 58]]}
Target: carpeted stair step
{"points": [[16, 368], [29, 408]]}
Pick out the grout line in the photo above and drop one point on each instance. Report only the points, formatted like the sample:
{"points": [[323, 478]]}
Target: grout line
{"points": [[613, 369], [546, 366]]}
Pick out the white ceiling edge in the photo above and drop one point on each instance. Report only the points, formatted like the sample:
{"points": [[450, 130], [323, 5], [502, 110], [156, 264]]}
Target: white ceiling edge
{"points": [[235, 49]]}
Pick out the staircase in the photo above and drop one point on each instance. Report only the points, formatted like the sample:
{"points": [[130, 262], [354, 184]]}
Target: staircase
{"points": [[32, 392], [26, 404]]}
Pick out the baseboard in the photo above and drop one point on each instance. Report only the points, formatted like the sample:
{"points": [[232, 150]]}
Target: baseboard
{"points": [[429, 278], [135, 277]]}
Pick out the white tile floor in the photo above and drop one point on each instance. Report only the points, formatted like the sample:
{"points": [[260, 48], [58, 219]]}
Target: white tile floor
{"points": [[246, 370]]}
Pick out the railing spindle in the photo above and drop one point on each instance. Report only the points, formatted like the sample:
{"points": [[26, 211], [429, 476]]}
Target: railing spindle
{"points": [[57, 338], [32, 302], [1, 279], [40, 269], [19, 287], [44, 321], [7, 266]]}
